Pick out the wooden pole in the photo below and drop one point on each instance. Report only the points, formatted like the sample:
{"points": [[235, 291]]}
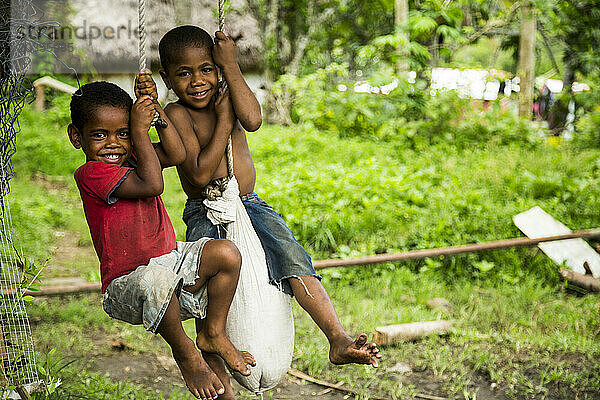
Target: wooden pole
{"points": [[453, 250], [587, 282], [59, 290], [390, 334]]}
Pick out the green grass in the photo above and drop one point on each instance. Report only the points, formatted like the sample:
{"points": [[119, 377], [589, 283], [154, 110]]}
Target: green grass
{"points": [[514, 326]]}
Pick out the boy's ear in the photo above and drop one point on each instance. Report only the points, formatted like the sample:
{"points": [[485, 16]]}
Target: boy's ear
{"points": [[74, 136], [165, 78]]}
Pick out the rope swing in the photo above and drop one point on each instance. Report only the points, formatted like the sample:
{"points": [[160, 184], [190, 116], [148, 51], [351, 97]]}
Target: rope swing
{"points": [[260, 317], [223, 85]]}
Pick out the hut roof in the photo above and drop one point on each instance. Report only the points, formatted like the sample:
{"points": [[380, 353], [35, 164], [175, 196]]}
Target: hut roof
{"points": [[105, 31]]}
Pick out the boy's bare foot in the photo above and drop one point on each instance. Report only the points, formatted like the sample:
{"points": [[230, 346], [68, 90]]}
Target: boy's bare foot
{"points": [[220, 344], [216, 363], [347, 351], [199, 378]]}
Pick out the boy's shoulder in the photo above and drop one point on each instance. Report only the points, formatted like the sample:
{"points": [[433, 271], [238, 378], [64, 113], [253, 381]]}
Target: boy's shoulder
{"points": [[176, 107], [99, 177], [99, 167], [178, 111]]}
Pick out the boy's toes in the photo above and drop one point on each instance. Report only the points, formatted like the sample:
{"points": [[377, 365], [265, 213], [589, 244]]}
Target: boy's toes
{"points": [[248, 358], [360, 341], [211, 393], [194, 392], [244, 371]]}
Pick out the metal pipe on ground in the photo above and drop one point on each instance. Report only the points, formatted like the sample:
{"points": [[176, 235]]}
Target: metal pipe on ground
{"points": [[368, 260], [453, 250]]}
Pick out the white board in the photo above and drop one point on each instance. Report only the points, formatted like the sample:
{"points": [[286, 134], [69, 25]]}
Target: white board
{"points": [[536, 223]]}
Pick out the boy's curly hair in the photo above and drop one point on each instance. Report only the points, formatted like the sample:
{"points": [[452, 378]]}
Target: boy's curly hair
{"points": [[180, 38], [90, 97]]}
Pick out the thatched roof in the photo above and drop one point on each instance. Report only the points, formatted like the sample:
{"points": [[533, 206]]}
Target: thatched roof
{"points": [[111, 40]]}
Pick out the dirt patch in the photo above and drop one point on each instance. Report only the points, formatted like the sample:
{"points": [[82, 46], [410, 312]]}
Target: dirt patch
{"points": [[160, 374]]}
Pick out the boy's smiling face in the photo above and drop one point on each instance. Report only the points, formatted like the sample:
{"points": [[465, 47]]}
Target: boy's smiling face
{"points": [[192, 75], [105, 136]]}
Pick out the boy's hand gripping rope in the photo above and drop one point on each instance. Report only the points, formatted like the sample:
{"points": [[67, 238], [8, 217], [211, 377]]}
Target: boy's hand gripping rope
{"points": [[157, 121]]}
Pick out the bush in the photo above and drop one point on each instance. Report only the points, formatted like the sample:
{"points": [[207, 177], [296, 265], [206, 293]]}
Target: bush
{"points": [[318, 100], [462, 123], [351, 197], [407, 114], [587, 130], [43, 146]]}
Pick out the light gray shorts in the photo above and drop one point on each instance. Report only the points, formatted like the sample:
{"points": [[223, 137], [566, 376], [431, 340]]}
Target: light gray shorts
{"points": [[142, 296]]}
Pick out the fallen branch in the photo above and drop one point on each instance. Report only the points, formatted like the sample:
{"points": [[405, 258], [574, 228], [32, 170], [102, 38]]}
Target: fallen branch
{"points": [[390, 334], [342, 388]]}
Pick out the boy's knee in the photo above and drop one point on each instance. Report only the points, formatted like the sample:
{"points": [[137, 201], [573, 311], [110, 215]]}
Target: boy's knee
{"points": [[227, 254]]}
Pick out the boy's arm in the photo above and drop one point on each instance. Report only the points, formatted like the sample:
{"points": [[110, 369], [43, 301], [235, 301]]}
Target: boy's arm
{"points": [[245, 105], [170, 150], [146, 179], [201, 162]]}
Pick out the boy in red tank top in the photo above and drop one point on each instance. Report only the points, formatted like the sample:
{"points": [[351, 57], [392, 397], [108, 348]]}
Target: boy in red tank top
{"points": [[147, 276]]}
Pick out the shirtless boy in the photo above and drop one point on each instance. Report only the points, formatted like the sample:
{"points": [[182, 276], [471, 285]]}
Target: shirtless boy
{"points": [[205, 116], [147, 277]]}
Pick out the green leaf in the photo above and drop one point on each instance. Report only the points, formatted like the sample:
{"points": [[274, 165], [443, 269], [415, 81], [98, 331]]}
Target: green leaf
{"points": [[423, 24], [484, 266]]}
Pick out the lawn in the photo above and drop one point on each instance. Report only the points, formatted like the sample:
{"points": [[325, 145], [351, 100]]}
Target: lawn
{"points": [[518, 334]]}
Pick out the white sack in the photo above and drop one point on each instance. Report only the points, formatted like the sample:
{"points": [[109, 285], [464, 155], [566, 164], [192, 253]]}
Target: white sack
{"points": [[260, 318]]}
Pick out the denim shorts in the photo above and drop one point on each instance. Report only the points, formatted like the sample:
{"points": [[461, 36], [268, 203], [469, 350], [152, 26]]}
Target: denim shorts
{"points": [[286, 258], [142, 296]]}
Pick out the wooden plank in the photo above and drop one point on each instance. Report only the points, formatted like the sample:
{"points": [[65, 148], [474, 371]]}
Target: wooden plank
{"points": [[535, 223]]}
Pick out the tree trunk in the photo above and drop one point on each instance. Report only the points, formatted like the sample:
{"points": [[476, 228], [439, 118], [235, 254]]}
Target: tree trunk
{"points": [[275, 112], [435, 51], [526, 68], [272, 39], [401, 19]]}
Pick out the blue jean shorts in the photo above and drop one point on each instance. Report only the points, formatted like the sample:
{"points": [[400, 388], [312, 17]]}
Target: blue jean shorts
{"points": [[286, 258], [142, 296]]}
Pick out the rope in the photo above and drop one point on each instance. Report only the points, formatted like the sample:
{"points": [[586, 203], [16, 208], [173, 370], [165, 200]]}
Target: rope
{"points": [[229, 148], [142, 32], [221, 14], [156, 120]]}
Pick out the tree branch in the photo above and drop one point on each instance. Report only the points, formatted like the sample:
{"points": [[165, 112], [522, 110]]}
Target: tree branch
{"points": [[304, 39]]}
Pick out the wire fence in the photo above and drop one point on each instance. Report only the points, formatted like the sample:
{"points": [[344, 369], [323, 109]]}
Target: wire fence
{"points": [[17, 19]]}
